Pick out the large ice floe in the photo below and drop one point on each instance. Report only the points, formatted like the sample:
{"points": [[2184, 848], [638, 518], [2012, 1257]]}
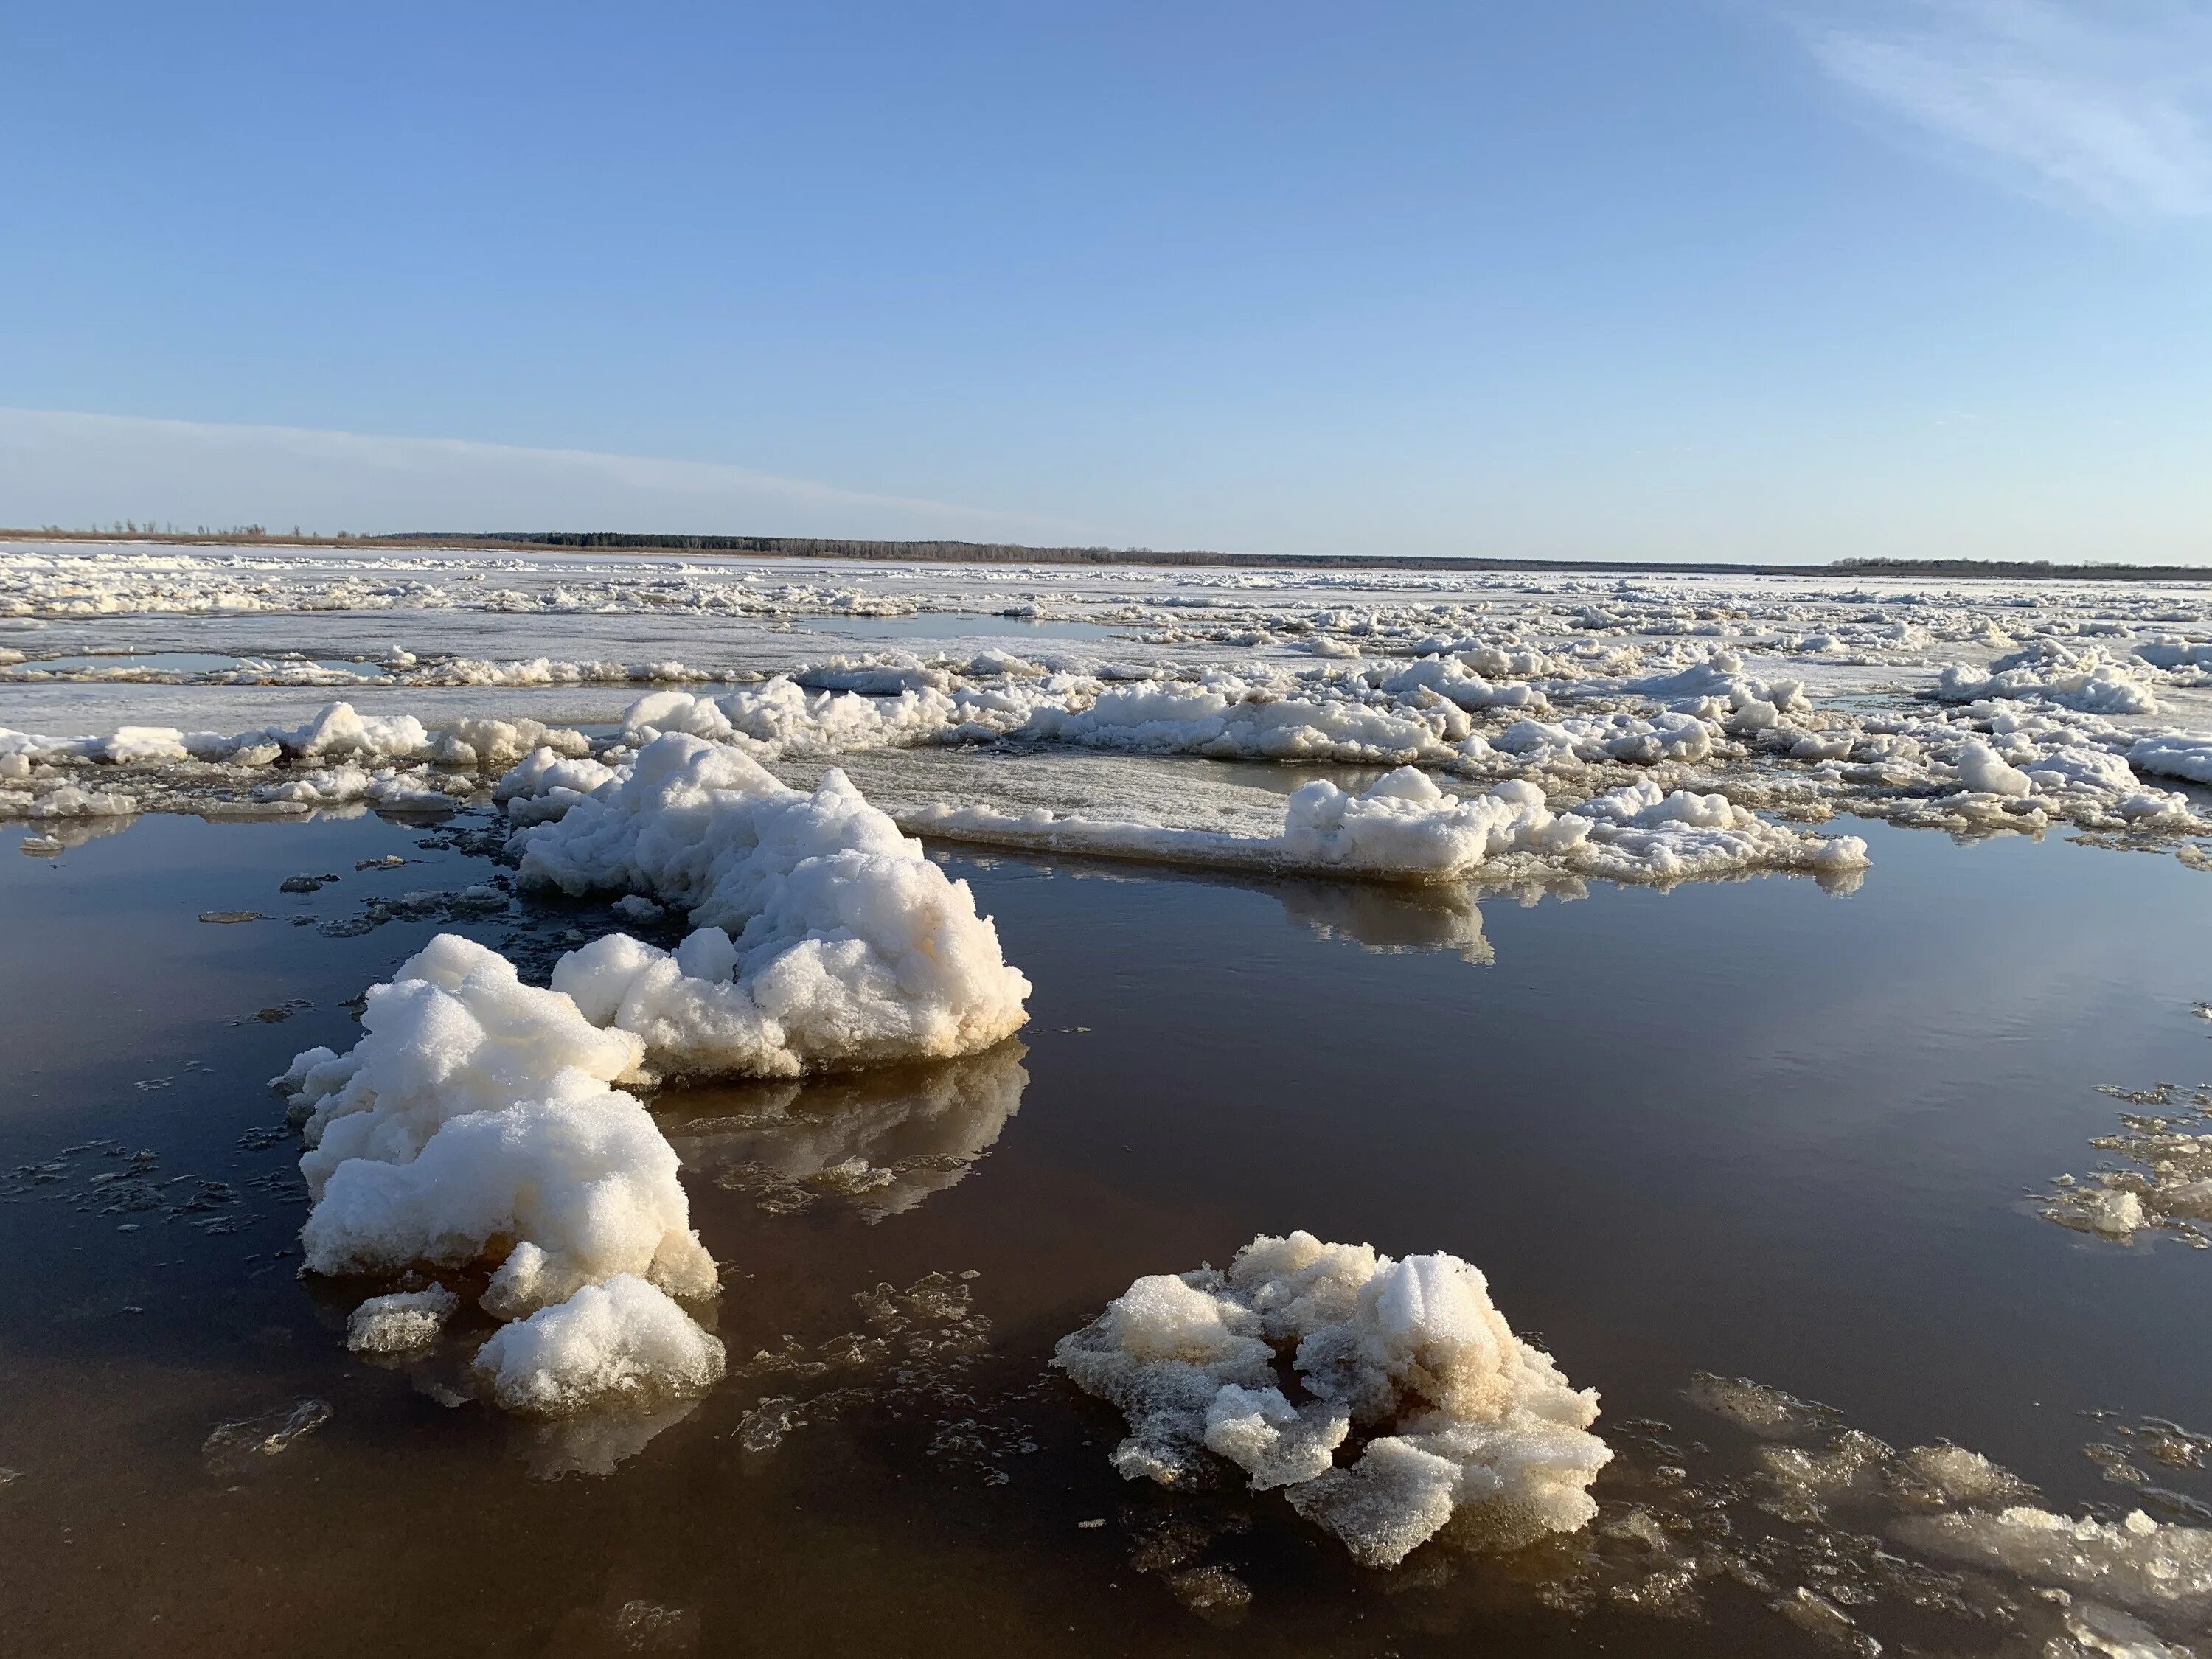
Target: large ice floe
{"points": [[1405, 827], [1456, 1420]]}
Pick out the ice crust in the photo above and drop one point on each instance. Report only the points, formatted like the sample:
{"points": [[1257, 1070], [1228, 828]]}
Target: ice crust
{"points": [[474, 1126], [823, 938], [1459, 1420]]}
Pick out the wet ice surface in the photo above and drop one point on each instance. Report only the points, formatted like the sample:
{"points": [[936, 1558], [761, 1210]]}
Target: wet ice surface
{"points": [[1750, 1129]]}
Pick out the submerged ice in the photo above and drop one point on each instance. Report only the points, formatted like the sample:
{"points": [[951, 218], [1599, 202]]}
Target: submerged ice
{"points": [[1457, 1420]]}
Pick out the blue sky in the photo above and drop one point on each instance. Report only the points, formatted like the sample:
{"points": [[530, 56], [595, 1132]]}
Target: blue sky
{"points": [[1640, 278]]}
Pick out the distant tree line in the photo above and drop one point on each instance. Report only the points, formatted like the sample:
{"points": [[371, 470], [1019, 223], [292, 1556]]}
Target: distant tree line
{"points": [[813, 547], [818, 547]]}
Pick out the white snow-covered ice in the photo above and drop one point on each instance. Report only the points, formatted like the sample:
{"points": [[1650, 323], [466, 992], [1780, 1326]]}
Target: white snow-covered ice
{"points": [[1459, 1420]]}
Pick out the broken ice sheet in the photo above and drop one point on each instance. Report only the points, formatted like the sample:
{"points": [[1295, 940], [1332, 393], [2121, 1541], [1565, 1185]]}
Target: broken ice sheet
{"points": [[2159, 1179]]}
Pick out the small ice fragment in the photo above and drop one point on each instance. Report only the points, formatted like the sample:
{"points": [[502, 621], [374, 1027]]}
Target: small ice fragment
{"points": [[401, 1322], [233, 1445], [622, 1339]]}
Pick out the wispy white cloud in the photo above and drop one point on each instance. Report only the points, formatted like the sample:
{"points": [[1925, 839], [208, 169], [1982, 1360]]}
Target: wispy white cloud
{"points": [[58, 467], [2102, 103]]}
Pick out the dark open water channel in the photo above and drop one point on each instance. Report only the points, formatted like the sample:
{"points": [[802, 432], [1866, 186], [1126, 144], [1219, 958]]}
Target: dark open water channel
{"points": [[1746, 1128]]}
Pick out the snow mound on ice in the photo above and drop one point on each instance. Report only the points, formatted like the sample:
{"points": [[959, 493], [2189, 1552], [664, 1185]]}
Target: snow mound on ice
{"points": [[1463, 1422], [621, 1342], [474, 1123], [2049, 672], [826, 939], [455, 1031]]}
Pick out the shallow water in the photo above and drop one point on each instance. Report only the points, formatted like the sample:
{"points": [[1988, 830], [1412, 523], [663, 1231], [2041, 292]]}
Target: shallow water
{"points": [[1744, 1128]]}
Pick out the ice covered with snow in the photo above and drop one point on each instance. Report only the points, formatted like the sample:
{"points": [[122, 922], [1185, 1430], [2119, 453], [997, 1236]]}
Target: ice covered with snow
{"points": [[474, 1126], [622, 1340], [1454, 1419], [1405, 827], [823, 936], [1922, 700]]}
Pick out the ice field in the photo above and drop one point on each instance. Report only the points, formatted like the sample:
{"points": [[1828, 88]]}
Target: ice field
{"points": [[686, 1104]]}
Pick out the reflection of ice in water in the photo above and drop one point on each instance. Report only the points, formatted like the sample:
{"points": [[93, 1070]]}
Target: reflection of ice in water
{"points": [[1392, 920], [882, 1141], [596, 1442], [52, 836]]}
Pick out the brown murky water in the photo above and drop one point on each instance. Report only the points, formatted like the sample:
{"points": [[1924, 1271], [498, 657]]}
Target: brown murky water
{"points": [[1746, 1129]]}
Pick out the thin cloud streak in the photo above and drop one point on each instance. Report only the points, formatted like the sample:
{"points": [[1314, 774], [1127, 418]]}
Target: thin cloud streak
{"points": [[2104, 105], [66, 468]]}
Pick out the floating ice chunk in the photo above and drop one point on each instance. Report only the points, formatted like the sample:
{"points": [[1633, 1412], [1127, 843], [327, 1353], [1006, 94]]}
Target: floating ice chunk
{"points": [[581, 1176], [1984, 771], [2050, 671], [400, 1322], [1453, 679], [145, 745], [340, 730], [1272, 1441], [1754, 704], [327, 785], [1163, 1351], [455, 1031], [2174, 755], [492, 745], [2138, 1563], [1949, 1475], [473, 1123], [1404, 828], [1233, 721], [231, 1447], [69, 801], [544, 769], [848, 947], [623, 1340], [1383, 1507], [1476, 1427]]}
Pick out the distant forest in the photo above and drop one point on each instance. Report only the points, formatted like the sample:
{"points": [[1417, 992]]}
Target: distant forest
{"points": [[814, 547], [805, 547]]}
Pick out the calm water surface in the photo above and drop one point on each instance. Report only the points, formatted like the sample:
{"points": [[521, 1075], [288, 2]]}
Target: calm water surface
{"points": [[1744, 1128]]}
